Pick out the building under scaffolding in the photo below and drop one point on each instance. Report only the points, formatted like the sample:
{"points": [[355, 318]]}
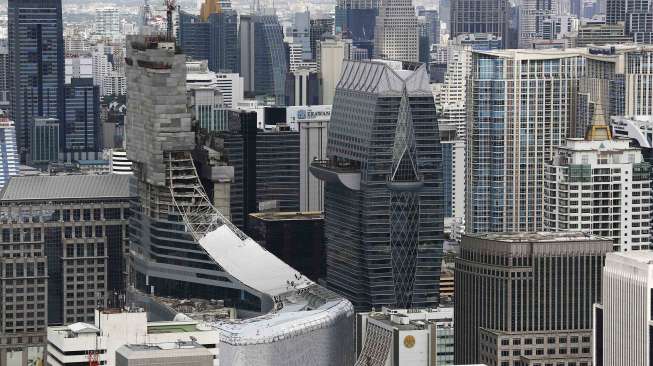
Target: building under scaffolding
{"points": [[183, 247]]}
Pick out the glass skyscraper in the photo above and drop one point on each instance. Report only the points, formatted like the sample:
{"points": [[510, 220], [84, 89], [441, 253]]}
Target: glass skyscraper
{"points": [[270, 61], [214, 39], [479, 16], [384, 201], [36, 64], [82, 133], [522, 105]]}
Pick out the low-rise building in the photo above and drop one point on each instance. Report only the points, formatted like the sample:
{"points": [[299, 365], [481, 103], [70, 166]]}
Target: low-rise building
{"points": [[113, 328], [405, 337], [164, 354]]}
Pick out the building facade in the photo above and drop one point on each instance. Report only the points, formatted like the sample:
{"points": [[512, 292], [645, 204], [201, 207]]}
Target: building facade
{"points": [[511, 136], [36, 72], [622, 324], [601, 187], [479, 16], [214, 39], [44, 141], [396, 31], [383, 178], [405, 336], [514, 305], [9, 159], [82, 135], [82, 223]]}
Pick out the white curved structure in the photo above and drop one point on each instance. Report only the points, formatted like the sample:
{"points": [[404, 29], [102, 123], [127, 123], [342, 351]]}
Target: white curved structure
{"points": [[303, 323], [306, 324]]}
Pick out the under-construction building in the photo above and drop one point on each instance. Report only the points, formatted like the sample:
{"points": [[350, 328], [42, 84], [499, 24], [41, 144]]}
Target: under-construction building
{"points": [[182, 246]]}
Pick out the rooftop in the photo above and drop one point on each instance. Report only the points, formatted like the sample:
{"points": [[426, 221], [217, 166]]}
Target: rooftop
{"points": [[288, 216], [541, 237], [641, 256], [66, 187]]}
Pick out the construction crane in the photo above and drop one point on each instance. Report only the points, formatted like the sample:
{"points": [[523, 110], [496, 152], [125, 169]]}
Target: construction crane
{"points": [[170, 5]]}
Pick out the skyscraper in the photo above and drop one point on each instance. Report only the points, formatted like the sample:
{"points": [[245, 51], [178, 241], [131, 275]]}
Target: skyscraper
{"points": [[300, 31], [81, 130], [526, 298], [396, 33], [320, 29], [531, 15], [9, 160], [637, 16], [36, 64], [270, 63], [511, 135], [383, 190], [480, 16], [356, 19], [212, 37], [184, 247], [263, 57], [107, 22]]}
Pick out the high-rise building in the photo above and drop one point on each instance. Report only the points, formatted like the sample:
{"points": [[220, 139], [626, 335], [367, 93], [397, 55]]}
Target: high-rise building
{"points": [[331, 55], [295, 237], [602, 34], [82, 135], [109, 69], [213, 259], [300, 31], [247, 46], [5, 80], [480, 16], [637, 16], [396, 31], [44, 141], [312, 124], [576, 196], [107, 23], [9, 159], [81, 220], [532, 13], [23, 330], [36, 70], [356, 20], [383, 178], [527, 298], [303, 87], [616, 82], [622, 319], [229, 84], [270, 63], [321, 28], [405, 336], [263, 56], [507, 146], [432, 22], [214, 39], [266, 166]]}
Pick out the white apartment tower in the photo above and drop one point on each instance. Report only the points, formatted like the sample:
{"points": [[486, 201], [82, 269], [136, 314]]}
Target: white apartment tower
{"points": [[623, 321], [107, 22], [601, 187], [9, 159], [396, 35]]}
